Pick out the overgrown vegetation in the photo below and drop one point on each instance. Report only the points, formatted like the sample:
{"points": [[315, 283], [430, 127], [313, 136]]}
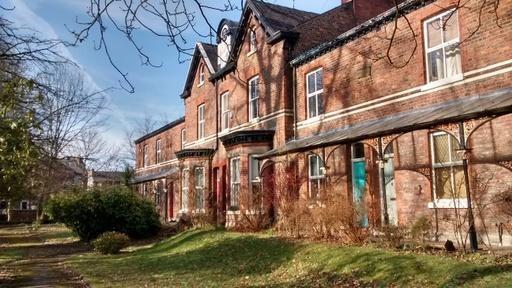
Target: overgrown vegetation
{"points": [[91, 213]]}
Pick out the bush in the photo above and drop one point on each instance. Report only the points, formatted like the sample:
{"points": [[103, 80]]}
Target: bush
{"points": [[91, 213], [420, 230], [110, 242]]}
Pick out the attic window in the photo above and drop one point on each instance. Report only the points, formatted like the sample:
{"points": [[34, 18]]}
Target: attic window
{"points": [[201, 74], [225, 33], [252, 40]]}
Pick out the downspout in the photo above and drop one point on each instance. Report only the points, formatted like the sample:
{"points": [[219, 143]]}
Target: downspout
{"points": [[213, 200], [383, 183], [472, 231], [294, 96]]}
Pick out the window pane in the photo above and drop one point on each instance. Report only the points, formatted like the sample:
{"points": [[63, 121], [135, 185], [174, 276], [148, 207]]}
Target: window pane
{"points": [[319, 80], [311, 83], [320, 101], [435, 65], [459, 181], [255, 169], [312, 106], [453, 63], [312, 165], [451, 26], [456, 154], [254, 109], [441, 149], [358, 150], [434, 33], [443, 183], [314, 188]]}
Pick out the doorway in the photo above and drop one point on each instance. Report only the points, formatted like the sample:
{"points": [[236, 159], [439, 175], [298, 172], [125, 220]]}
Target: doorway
{"points": [[359, 183], [389, 180]]}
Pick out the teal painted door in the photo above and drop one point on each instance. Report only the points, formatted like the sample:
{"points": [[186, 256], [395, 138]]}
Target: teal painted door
{"points": [[359, 189]]}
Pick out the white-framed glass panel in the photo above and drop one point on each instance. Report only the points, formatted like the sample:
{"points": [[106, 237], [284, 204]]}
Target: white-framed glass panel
{"points": [[252, 40], [159, 155], [316, 176], [24, 205], [200, 121], [315, 92], [199, 187], [201, 74], [184, 189], [442, 47], [235, 181], [448, 173], [254, 98], [145, 155], [225, 113], [254, 178], [183, 138]]}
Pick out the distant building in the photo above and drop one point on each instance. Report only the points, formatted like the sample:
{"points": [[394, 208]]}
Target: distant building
{"points": [[104, 178]]}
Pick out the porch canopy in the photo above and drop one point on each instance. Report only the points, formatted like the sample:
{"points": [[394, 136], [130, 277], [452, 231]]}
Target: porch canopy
{"points": [[154, 176], [498, 102]]}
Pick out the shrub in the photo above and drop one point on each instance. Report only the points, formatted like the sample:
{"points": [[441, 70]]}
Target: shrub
{"points": [[91, 213], [110, 242], [420, 230]]}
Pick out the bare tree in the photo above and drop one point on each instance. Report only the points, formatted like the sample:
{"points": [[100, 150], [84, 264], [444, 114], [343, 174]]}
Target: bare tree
{"points": [[174, 21], [96, 153]]}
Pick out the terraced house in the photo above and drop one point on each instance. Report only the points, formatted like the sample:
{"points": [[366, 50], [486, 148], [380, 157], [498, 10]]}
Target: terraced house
{"points": [[404, 116]]}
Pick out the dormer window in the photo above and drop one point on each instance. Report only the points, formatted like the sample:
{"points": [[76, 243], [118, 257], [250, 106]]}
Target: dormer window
{"points": [[201, 74], [225, 33], [224, 46], [252, 41]]}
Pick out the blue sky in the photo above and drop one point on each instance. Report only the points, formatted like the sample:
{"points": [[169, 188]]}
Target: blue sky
{"points": [[157, 90]]}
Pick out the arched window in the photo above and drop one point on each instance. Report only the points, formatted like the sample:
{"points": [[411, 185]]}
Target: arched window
{"points": [[201, 74], [252, 40]]}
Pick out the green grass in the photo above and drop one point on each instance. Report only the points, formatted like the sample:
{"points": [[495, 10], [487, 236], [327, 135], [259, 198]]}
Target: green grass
{"points": [[203, 258]]}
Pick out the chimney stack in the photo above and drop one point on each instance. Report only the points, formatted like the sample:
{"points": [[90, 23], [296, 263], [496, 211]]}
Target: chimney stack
{"points": [[345, 1]]}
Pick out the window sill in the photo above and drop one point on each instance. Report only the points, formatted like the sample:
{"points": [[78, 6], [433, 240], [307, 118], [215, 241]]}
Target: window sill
{"points": [[233, 212], [254, 120], [200, 84], [449, 203], [441, 82], [251, 53]]}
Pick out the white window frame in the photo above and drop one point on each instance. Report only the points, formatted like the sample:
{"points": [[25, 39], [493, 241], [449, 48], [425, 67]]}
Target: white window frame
{"points": [[185, 189], [431, 84], [315, 93], [315, 179], [225, 112], [199, 187], [145, 155], [158, 147], [201, 74], [444, 202], [254, 84], [26, 202], [200, 121], [234, 200], [252, 41], [183, 138]]}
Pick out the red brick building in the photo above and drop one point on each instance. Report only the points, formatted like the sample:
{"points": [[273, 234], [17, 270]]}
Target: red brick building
{"points": [[408, 127]]}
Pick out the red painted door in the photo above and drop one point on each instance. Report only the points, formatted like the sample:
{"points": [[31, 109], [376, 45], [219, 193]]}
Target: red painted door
{"points": [[170, 201]]}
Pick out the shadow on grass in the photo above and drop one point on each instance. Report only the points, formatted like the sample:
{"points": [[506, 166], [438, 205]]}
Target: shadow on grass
{"points": [[478, 273], [197, 255]]}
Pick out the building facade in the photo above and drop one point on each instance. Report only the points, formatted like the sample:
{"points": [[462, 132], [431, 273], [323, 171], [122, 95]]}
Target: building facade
{"points": [[406, 121]]}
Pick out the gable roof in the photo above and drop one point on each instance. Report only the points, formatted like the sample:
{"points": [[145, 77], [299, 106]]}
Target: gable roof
{"points": [[278, 22], [208, 52], [161, 129]]}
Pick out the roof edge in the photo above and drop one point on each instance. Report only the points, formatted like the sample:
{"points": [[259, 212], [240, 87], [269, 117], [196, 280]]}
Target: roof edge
{"points": [[161, 129]]}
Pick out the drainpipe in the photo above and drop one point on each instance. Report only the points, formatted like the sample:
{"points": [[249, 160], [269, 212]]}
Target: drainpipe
{"points": [[383, 183], [294, 96], [210, 168], [472, 231]]}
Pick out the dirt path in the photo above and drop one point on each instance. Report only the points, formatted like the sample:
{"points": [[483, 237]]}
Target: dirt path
{"points": [[37, 257]]}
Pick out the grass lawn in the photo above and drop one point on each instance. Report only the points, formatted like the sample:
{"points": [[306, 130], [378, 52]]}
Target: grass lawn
{"points": [[202, 258]]}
